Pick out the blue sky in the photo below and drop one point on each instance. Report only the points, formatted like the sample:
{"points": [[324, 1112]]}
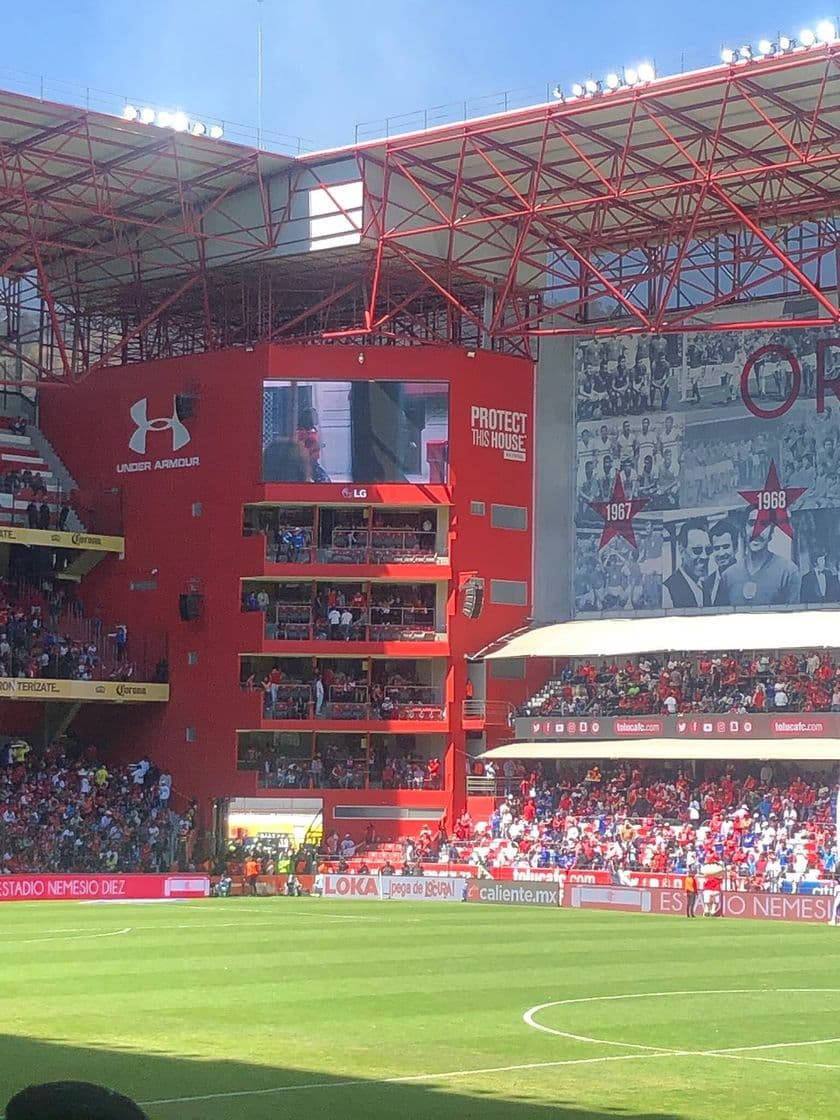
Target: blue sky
{"points": [[330, 64]]}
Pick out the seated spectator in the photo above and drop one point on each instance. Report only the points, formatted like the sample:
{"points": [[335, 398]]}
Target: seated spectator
{"points": [[65, 812], [771, 830], [679, 684]]}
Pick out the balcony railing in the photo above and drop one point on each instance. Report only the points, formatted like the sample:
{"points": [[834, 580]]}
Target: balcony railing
{"points": [[297, 623], [493, 713], [299, 772], [293, 545], [350, 702]]}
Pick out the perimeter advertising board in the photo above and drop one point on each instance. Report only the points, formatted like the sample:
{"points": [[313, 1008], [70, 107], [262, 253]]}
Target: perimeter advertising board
{"points": [[735, 904], [707, 471], [396, 888], [101, 888], [710, 726], [513, 894]]}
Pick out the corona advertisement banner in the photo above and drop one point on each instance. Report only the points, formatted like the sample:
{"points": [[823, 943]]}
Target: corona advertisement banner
{"points": [[46, 538], [43, 688], [707, 471]]}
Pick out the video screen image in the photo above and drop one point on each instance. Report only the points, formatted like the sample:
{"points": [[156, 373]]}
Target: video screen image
{"points": [[355, 431]]}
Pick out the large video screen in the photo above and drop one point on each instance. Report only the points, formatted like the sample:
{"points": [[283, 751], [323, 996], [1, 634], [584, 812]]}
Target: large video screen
{"points": [[355, 431], [707, 471]]}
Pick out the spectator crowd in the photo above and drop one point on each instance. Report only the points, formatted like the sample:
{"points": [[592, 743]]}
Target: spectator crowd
{"points": [[677, 684], [67, 811], [44, 635], [766, 825]]}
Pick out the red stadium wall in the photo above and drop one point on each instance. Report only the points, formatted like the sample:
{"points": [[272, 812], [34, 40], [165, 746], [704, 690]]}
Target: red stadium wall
{"points": [[183, 528]]}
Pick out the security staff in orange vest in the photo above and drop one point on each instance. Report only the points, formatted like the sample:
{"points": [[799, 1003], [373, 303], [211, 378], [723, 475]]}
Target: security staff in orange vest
{"points": [[690, 888], [252, 873]]}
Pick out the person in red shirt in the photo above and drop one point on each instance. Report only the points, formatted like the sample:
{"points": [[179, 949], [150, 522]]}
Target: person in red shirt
{"points": [[712, 886]]}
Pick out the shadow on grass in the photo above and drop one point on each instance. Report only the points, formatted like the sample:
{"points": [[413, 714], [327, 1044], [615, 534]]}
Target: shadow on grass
{"points": [[197, 1088]]}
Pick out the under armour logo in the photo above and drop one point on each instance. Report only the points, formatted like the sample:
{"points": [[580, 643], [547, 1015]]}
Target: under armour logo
{"points": [[138, 413]]}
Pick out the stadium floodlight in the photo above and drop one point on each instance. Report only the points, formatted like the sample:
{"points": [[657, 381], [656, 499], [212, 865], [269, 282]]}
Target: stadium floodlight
{"points": [[745, 53], [216, 132], [577, 90], [631, 76], [826, 31], [807, 37], [727, 55], [198, 128], [765, 47], [786, 43], [592, 86], [647, 72], [612, 81], [180, 121], [130, 113], [147, 115]]}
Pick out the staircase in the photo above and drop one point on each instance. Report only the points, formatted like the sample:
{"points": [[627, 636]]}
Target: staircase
{"points": [[380, 854], [65, 480], [34, 452], [533, 705]]}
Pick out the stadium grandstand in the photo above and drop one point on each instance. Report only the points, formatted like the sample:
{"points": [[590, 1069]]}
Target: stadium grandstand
{"points": [[453, 516], [384, 482]]}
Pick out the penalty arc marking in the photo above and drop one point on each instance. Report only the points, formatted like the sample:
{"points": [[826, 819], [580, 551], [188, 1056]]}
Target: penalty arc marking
{"points": [[529, 1018]]}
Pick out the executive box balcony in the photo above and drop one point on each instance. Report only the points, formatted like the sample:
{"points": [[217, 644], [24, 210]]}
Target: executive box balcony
{"points": [[403, 696], [376, 543], [339, 617], [304, 761]]}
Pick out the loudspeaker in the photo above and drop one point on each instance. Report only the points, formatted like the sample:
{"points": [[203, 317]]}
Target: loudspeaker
{"points": [[473, 598], [186, 405], [189, 606]]}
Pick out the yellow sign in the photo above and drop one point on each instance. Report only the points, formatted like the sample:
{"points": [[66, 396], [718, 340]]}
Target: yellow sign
{"points": [[42, 688], [50, 539]]}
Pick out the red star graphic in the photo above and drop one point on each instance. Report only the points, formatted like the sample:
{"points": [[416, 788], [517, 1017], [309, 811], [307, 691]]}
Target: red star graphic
{"points": [[773, 503], [618, 514]]}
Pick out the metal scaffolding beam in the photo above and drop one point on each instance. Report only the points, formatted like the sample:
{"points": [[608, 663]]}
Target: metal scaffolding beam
{"points": [[668, 207]]}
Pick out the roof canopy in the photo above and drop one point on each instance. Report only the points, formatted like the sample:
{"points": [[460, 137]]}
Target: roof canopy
{"points": [[615, 637], [73, 181], [811, 750], [639, 210]]}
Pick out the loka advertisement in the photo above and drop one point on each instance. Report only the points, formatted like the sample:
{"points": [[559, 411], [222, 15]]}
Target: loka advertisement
{"points": [[395, 888], [707, 471]]}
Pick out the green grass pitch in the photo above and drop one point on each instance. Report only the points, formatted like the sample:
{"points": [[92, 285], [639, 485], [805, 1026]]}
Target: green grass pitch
{"points": [[259, 1009]]}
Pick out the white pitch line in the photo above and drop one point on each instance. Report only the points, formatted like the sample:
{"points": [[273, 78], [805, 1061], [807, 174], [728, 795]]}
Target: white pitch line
{"points": [[775, 1046], [415, 1077], [769, 1061], [742, 1053], [450, 1075], [80, 937]]}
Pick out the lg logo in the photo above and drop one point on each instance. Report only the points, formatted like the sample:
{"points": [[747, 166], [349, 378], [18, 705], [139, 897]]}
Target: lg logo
{"points": [[143, 425], [354, 492]]}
